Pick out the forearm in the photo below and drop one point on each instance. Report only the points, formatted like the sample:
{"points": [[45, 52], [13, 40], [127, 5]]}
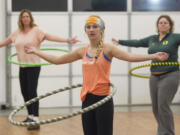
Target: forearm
{"points": [[130, 43], [5, 43], [55, 38], [122, 55], [63, 59], [144, 42], [140, 57], [47, 57], [1, 45]]}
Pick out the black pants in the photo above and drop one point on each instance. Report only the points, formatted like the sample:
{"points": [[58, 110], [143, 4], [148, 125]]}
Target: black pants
{"points": [[28, 77], [100, 120]]}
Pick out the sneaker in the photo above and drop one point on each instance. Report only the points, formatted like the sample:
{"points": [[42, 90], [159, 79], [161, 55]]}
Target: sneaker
{"points": [[33, 127], [28, 120]]}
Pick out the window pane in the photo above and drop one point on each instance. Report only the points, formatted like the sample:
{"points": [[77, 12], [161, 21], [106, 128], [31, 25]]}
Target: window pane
{"points": [[156, 5], [39, 5], [99, 5]]}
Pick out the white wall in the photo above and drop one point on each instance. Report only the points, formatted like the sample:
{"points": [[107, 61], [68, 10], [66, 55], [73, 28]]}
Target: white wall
{"points": [[2, 53], [54, 77]]}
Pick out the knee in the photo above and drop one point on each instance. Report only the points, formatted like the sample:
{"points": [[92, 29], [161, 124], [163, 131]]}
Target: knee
{"points": [[164, 108]]}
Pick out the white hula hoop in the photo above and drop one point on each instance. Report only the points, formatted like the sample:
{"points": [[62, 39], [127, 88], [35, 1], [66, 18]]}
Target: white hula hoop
{"points": [[91, 107]]}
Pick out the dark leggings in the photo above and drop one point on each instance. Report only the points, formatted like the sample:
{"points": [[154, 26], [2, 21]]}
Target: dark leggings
{"points": [[28, 77], [100, 120]]}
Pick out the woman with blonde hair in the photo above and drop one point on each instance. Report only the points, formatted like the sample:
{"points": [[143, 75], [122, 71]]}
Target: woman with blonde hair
{"points": [[96, 62], [30, 35]]}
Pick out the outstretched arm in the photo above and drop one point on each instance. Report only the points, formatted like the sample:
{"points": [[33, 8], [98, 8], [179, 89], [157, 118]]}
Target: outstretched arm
{"points": [[133, 43], [60, 39], [6, 42], [122, 55], [67, 58]]}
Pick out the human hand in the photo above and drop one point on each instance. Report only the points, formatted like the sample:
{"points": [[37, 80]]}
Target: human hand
{"points": [[161, 56], [73, 40], [115, 41], [30, 49]]}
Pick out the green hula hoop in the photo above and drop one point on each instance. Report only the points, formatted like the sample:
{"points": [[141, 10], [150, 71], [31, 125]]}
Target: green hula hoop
{"points": [[149, 65], [35, 64]]}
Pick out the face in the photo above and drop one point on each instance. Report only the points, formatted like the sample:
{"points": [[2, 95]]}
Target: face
{"points": [[26, 18], [163, 25], [93, 31]]}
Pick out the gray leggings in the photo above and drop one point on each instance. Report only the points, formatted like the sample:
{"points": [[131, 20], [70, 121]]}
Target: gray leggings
{"points": [[163, 89]]}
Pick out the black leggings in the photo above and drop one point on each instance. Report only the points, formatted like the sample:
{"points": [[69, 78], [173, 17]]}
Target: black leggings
{"points": [[100, 120], [28, 77]]}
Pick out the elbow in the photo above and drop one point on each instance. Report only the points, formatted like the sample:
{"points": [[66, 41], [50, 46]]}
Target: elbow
{"points": [[131, 59], [56, 62]]}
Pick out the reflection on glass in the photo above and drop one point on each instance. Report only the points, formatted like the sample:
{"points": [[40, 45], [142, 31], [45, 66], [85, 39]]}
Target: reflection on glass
{"points": [[154, 1], [99, 5], [156, 5], [39, 5]]}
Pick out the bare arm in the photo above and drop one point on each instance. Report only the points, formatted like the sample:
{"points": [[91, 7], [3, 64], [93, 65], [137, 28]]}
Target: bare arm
{"points": [[6, 42], [122, 55], [60, 39], [67, 58]]}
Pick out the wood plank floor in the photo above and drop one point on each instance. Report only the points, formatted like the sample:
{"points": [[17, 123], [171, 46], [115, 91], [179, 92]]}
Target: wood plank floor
{"points": [[125, 123]]}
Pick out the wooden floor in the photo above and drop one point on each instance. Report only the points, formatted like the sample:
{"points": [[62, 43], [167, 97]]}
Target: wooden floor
{"points": [[125, 123]]}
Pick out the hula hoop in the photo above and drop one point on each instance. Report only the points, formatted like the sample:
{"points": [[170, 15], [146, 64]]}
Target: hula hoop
{"points": [[35, 64], [149, 65], [91, 107]]}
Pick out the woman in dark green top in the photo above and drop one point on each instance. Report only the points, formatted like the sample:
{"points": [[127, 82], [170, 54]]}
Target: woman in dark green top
{"points": [[164, 80]]}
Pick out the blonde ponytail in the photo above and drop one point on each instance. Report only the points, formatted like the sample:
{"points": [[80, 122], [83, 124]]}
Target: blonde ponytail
{"points": [[99, 46]]}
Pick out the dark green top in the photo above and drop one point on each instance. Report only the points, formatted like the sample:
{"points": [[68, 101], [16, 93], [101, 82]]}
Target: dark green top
{"points": [[169, 44]]}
